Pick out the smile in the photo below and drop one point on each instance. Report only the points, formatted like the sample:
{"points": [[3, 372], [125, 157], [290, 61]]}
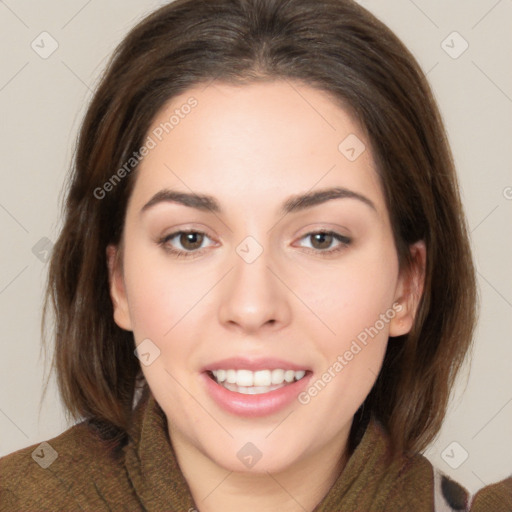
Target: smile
{"points": [[258, 382]]}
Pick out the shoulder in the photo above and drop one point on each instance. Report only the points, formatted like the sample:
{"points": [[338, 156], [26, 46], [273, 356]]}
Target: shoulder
{"points": [[74, 469], [452, 496], [411, 484], [494, 498], [418, 482]]}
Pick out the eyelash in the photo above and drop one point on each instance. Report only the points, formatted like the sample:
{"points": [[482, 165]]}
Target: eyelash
{"points": [[345, 242]]}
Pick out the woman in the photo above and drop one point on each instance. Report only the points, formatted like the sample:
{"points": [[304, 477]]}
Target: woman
{"points": [[263, 288]]}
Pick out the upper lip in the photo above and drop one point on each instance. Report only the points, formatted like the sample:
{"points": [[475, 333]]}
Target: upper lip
{"points": [[254, 364]]}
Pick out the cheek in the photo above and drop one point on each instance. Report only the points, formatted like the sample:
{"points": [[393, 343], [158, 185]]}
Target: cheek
{"points": [[162, 304], [352, 295], [355, 301], [160, 292]]}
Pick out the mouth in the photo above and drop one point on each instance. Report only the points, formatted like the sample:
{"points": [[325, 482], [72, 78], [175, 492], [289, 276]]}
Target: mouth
{"points": [[253, 387], [258, 382]]}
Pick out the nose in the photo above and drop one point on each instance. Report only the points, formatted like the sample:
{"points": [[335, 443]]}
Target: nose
{"points": [[253, 296]]}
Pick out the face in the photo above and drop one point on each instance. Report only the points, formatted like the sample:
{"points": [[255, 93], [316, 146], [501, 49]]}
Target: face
{"points": [[253, 286]]}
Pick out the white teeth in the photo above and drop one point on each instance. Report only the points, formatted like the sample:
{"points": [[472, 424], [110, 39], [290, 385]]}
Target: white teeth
{"points": [[262, 378], [257, 379], [244, 378], [253, 390], [289, 375], [300, 374], [277, 376]]}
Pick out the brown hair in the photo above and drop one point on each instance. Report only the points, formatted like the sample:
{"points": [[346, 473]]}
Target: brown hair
{"points": [[337, 47]]}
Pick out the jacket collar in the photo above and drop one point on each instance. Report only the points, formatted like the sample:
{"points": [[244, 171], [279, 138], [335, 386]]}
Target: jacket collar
{"points": [[370, 480], [151, 461]]}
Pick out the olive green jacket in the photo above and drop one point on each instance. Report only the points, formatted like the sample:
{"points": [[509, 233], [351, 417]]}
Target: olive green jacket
{"points": [[80, 470]]}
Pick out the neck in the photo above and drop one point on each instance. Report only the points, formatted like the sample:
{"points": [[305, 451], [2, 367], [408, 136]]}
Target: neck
{"points": [[297, 488]]}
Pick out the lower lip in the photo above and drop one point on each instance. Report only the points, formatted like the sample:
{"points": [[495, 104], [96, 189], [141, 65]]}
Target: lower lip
{"points": [[254, 405]]}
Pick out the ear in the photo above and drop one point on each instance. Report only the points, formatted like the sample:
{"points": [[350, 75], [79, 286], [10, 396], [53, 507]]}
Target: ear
{"points": [[409, 291], [117, 288]]}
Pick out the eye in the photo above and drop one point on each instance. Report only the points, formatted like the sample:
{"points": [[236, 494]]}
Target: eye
{"points": [[321, 241], [190, 240]]}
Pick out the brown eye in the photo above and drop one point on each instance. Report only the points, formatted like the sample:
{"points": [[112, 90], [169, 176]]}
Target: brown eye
{"points": [[184, 244], [326, 243], [191, 240], [321, 240]]}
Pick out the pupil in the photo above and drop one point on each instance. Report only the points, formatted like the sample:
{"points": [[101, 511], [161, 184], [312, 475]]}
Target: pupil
{"points": [[322, 237], [189, 238]]}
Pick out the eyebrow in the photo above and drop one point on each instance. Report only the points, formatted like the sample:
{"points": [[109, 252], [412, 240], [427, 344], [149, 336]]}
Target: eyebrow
{"points": [[293, 204]]}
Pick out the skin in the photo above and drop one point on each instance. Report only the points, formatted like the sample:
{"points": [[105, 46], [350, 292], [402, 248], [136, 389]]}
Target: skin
{"points": [[252, 147]]}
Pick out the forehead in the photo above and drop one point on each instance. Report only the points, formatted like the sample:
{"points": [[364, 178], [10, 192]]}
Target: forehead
{"points": [[255, 144]]}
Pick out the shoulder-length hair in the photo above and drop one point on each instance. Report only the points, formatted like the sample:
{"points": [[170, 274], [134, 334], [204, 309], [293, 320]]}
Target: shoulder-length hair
{"points": [[339, 48]]}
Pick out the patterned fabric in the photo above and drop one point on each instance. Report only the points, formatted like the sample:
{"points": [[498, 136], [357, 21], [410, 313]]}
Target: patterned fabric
{"points": [[449, 496]]}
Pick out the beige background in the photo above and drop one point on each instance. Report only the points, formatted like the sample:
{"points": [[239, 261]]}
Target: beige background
{"points": [[42, 101]]}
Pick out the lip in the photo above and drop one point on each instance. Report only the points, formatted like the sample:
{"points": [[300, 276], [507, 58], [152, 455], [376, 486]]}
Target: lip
{"points": [[244, 363], [253, 406]]}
